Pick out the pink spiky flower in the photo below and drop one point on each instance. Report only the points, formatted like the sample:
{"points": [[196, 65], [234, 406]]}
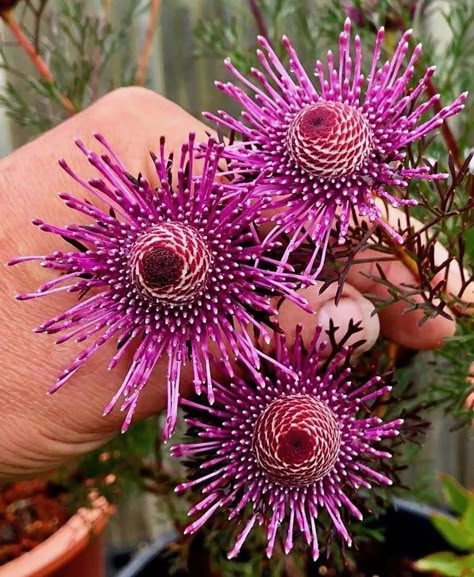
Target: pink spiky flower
{"points": [[174, 267], [321, 152], [281, 454]]}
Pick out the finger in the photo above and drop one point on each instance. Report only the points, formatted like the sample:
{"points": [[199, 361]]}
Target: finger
{"points": [[351, 306], [398, 325], [454, 273], [408, 328], [69, 422]]}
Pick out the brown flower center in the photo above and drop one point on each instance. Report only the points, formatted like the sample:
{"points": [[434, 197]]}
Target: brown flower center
{"points": [[296, 440], [161, 267], [329, 139], [169, 263]]}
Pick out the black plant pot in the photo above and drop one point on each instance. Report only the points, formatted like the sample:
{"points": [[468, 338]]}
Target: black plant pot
{"points": [[147, 562], [409, 535], [409, 530]]}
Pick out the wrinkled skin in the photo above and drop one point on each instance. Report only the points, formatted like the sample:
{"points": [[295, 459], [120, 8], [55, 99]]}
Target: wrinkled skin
{"points": [[40, 431]]}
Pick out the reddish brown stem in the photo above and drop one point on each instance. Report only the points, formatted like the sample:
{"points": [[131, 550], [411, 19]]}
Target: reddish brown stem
{"points": [[406, 259], [145, 55], [392, 353], [258, 17], [9, 18], [445, 130]]}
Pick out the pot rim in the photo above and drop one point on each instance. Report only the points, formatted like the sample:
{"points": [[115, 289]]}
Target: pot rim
{"points": [[67, 542]]}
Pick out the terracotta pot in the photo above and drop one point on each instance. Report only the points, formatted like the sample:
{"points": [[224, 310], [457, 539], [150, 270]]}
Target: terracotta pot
{"points": [[75, 550]]}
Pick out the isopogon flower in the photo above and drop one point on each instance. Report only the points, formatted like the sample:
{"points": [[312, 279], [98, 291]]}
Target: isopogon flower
{"points": [[173, 267], [280, 454], [322, 151]]}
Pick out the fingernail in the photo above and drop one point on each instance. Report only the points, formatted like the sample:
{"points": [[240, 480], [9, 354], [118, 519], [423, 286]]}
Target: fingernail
{"points": [[357, 309]]}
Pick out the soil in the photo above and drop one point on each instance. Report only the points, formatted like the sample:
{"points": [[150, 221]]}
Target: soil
{"points": [[30, 512]]}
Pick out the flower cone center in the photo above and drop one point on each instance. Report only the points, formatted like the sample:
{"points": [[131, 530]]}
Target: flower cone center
{"points": [[170, 263], [329, 139], [296, 440], [161, 267]]}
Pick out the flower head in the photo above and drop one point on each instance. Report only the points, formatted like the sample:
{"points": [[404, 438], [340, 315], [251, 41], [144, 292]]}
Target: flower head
{"points": [[320, 152], [174, 267], [280, 454]]}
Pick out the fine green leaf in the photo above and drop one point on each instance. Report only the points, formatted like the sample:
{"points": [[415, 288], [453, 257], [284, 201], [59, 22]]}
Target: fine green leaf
{"points": [[456, 496], [447, 563], [467, 520], [453, 531]]}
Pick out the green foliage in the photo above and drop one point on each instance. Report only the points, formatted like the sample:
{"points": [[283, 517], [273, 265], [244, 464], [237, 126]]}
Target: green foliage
{"points": [[447, 563], [87, 54], [87, 49], [22, 110], [457, 531], [454, 531], [235, 36], [455, 495], [116, 469], [449, 386]]}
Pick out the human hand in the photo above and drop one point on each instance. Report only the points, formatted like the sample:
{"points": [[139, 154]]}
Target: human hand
{"points": [[38, 431]]}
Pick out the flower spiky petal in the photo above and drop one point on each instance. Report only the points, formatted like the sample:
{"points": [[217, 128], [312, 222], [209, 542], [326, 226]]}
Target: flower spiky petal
{"points": [[172, 269], [281, 454], [321, 152]]}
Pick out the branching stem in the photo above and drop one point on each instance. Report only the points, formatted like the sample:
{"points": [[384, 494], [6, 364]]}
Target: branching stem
{"points": [[146, 51], [9, 18], [406, 259], [445, 130], [258, 17]]}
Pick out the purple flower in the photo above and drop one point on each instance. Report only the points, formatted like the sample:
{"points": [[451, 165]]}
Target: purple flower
{"points": [[174, 268], [282, 453], [322, 152]]}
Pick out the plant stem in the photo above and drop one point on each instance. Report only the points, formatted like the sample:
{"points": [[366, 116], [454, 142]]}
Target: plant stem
{"points": [[145, 55], [445, 130], [406, 259], [258, 17], [392, 352], [9, 18], [38, 14]]}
